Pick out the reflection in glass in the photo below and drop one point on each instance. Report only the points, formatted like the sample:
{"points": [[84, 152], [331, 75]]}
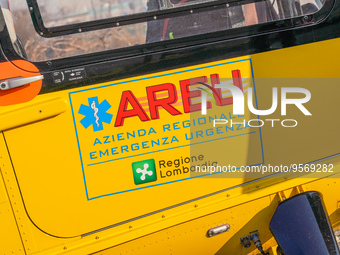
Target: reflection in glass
{"points": [[65, 12]]}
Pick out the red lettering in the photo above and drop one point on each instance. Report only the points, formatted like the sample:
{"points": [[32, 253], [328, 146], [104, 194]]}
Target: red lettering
{"points": [[215, 79], [166, 103], [123, 112], [187, 95], [237, 79]]}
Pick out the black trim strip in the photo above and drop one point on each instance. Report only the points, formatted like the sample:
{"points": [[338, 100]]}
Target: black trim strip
{"points": [[161, 56]]}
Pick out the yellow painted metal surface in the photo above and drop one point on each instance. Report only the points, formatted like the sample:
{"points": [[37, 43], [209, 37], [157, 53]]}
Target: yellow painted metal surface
{"points": [[31, 112], [10, 238], [27, 234], [245, 217], [9, 234], [98, 172], [50, 157]]}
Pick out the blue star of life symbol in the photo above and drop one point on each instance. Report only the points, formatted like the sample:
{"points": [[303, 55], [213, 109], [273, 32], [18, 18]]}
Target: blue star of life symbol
{"points": [[95, 114]]}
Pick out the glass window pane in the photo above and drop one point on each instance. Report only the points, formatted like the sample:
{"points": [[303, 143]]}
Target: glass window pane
{"points": [[65, 12], [59, 12]]}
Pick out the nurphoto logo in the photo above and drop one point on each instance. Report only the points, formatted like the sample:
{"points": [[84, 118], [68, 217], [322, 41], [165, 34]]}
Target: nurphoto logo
{"points": [[239, 102]]}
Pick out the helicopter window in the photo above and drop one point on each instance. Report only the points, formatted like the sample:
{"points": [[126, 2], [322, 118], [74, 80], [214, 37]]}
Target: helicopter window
{"points": [[94, 10], [54, 29]]}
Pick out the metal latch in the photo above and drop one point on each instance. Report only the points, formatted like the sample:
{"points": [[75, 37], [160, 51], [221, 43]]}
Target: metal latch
{"points": [[218, 230], [18, 82]]}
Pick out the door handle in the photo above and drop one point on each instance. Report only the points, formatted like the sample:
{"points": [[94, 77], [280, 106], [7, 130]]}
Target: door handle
{"points": [[18, 82]]}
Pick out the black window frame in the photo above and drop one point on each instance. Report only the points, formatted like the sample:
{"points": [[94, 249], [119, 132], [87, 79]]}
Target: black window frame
{"points": [[181, 10], [180, 45]]}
